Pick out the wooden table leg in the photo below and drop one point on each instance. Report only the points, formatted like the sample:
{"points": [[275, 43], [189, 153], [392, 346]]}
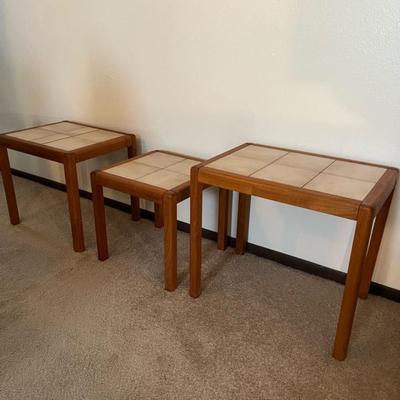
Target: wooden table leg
{"points": [[158, 215], [196, 204], [223, 214], [135, 204], [242, 231], [350, 294], [99, 218], [71, 181], [373, 248], [170, 241], [135, 208], [8, 186]]}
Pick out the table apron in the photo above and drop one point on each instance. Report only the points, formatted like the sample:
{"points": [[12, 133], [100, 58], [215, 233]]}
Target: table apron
{"points": [[133, 188], [327, 204], [41, 152], [53, 154], [102, 148]]}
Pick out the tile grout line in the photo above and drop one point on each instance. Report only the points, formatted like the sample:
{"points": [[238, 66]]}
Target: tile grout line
{"points": [[141, 176], [270, 163], [65, 133], [30, 140], [158, 168], [74, 136], [80, 134], [68, 137], [318, 174]]}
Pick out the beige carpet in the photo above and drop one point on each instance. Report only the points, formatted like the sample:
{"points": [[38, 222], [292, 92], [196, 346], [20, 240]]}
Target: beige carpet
{"points": [[74, 328]]}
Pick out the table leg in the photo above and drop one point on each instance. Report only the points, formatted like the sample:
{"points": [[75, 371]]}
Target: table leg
{"points": [[135, 204], [196, 217], [350, 294], [71, 181], [158, 215], [135, 208], [99, 218], [373, 248], [223, 214], [8, 186], [170, 241], [242, 231]]}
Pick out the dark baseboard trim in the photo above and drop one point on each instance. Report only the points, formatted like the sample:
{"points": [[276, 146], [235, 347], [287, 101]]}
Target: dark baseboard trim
{"points": [[282, 258]]}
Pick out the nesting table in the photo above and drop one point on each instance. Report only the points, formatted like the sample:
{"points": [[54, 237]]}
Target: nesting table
{"points": [[345, 188], [159, 176], [67, 143]]}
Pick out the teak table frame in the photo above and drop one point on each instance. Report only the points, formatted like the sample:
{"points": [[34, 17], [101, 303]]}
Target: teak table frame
{"points": [[165, 204], [69, 159], [365, 244]]}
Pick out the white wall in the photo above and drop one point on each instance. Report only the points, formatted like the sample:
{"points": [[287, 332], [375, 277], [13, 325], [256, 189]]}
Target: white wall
{"points": [[202, 76]]}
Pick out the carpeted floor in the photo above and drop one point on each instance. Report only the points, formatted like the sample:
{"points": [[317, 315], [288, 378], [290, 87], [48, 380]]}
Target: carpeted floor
{"points": [[74, 328]]}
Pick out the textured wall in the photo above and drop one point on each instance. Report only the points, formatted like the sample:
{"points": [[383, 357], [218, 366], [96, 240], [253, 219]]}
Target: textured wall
{"points": [[203, 76]]}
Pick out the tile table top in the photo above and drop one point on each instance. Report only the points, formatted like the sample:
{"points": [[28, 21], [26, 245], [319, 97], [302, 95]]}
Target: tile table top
{"points": [[159, 169], [65, 136], [322, 174]]}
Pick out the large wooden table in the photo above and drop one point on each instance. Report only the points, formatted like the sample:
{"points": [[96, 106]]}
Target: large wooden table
{"points": [[67, 143], [345, 188]]}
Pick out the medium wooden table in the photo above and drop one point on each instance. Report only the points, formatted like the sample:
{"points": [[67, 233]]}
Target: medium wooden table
{"points": [[344, 188], [159, 176], [67, 143]]}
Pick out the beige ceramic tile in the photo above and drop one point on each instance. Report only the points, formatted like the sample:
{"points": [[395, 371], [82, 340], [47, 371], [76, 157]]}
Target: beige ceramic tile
{"points": [[164, 179], [98, 136], [68, 128], [304, 161], [284, 174], [30, 134], [70, 143], [260, 153], [131, 170], [52, 138], [183, 167], [237, 165], [160, 159], [356, 171], [340, 186]]}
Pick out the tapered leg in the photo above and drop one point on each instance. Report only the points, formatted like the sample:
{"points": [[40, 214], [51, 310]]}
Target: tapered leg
{"points": [[8, 186], [196, 204], [170, 245], [373, 248], [242, 223], [158, 215], [135, 205], [71, 181], [350, 294], [223, 211], [99, 218]]}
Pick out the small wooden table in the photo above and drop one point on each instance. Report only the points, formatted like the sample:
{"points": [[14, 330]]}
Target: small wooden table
{"points": [[159, 176], [344, 188], [67, 143]]}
